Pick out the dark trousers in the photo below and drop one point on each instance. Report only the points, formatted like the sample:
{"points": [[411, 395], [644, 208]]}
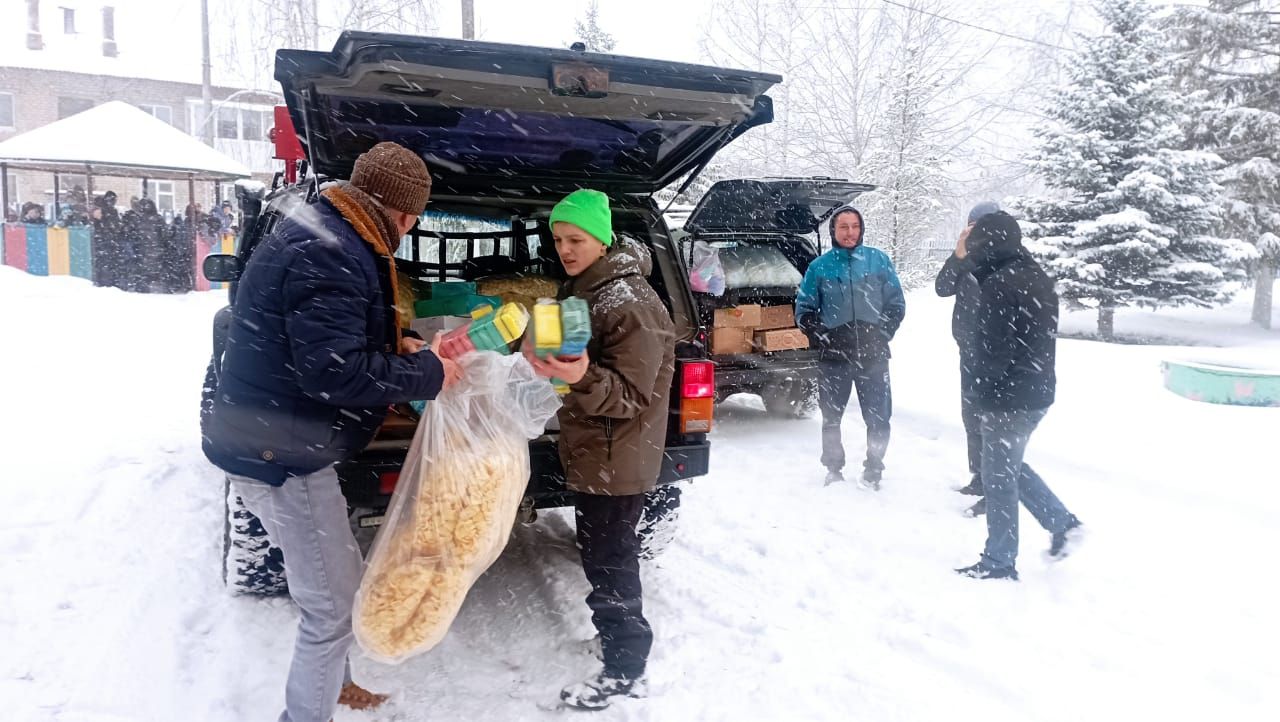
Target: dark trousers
{"points": [[610, 557], [972, 419], [838, 377]]}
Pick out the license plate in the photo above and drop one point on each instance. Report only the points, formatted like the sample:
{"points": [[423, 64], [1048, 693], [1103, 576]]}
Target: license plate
{"points": [[371, 520]]}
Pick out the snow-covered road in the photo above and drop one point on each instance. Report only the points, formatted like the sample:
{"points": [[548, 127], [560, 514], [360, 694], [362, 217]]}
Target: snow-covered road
{"points": [[780, 600]]}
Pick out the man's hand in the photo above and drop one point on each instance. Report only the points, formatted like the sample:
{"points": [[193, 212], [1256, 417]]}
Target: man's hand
{"points": [[409, 345], [568, 370], [961, 251], [452, 370]]}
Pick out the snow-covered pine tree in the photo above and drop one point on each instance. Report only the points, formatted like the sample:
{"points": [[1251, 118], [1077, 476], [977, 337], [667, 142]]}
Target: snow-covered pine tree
{"points": [[1133, 215], [907, 169], [1231, 50], [588, 31]]}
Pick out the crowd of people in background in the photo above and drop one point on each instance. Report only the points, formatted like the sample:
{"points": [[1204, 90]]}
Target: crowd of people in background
{"points": [[141, 249]]}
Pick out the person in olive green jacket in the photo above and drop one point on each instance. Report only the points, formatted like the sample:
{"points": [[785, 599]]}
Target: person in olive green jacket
{"points": [[613, 429]]}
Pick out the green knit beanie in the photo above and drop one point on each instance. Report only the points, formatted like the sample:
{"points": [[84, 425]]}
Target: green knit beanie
{"points": [[588, 210]]}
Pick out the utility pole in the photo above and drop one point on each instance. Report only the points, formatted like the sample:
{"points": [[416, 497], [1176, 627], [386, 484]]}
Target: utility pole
{"points": [[468, 19], [206, 88]]}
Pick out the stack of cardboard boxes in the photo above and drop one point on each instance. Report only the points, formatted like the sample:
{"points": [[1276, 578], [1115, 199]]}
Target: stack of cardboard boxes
{"points": [[751, 328]]}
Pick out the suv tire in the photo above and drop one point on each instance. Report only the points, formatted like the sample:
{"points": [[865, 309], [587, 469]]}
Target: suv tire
{"points": [[797, 399], [251, 563]]}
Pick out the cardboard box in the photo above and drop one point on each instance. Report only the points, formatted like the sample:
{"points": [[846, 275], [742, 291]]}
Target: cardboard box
{"points": [[772, 317], [744, 316], [730, 340], [782, 339]]}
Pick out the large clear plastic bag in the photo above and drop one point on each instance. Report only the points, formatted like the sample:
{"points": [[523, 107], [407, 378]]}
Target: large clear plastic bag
{"points": [[454, 505], [758, 266]]}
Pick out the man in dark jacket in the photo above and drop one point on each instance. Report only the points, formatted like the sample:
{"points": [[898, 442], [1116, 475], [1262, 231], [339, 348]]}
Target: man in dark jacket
{"points": [[850, 304], [314, 357], [106, 240], [142, 244], [956, 279], [1012, 383]]}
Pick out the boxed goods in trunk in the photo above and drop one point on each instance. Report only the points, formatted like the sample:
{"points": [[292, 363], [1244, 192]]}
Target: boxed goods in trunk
{"points": [[772, 317], [730, 340], [744, 316], [782, 339], [461, 304]]}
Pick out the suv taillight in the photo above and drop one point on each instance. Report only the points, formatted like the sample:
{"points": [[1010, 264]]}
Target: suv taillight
{"points": [[698, 380], [697, 396]]}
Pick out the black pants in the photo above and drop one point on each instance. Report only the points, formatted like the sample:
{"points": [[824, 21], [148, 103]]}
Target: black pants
{"points": [[971, 417], [610, 557], [838, 378]]}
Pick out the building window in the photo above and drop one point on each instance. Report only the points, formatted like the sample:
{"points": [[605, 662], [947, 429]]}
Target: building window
{"points": [[68, 107], [251, 125], [109, 47], [6, 111], [163, 196], [228, 123], [69, 21], [163, 112]]}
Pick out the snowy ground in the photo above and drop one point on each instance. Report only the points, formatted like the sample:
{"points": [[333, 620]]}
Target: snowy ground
{"points": [[781, 600]]}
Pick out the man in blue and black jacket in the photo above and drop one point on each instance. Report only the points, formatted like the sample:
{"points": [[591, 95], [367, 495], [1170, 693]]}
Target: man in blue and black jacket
{"points": [[314, 356], [850, 304]]}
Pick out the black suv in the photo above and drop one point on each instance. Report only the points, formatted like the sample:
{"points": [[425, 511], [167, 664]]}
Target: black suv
{"points": [[767, 232], [507, 131]]}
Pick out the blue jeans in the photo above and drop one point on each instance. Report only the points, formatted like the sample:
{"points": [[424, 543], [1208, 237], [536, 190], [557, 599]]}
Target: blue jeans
{"points": [[307, 519], [1006, 481]]}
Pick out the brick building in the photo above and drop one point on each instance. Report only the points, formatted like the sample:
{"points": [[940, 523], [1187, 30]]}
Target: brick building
{"points": [[60, 57]]}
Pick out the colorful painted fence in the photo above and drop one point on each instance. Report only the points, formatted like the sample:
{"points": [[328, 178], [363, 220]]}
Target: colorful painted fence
{"points": [[226, 243], [56, 251], [44, 251]]}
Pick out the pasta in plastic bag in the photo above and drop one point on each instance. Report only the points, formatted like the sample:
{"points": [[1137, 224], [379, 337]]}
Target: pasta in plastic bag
{"points": [[454, 505]]}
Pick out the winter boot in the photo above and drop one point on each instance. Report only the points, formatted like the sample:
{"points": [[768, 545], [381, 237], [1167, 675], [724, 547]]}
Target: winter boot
{"points": [[870, 480], [833, 476], [1065, 542], [978, 509], [357, 697], [982, 570], [598, 691], [974, 487]]}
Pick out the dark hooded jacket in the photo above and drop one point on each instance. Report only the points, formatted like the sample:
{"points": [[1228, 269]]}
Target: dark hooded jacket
{"points": [[850, 302], [956, 279], [613, 426], [311, 362], [1010, 365]]}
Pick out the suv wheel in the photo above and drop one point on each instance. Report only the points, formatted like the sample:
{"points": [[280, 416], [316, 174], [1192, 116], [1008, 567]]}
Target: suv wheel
{"points": [[251, 564], [797, 399]]}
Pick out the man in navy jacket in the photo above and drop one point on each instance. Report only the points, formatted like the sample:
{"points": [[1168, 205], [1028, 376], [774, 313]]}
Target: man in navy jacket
{"points": [[1010, 378], [314, 356]]}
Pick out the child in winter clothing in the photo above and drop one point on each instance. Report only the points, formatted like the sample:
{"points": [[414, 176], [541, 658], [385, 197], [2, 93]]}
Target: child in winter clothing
{"points": [[612, 430]]}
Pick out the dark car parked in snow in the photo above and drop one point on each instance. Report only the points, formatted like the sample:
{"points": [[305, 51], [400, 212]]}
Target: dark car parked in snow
{"points": [[506, 130]]}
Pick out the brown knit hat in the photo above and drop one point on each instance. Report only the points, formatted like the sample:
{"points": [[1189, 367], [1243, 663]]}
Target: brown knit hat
{"points": [[395, 176]]}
